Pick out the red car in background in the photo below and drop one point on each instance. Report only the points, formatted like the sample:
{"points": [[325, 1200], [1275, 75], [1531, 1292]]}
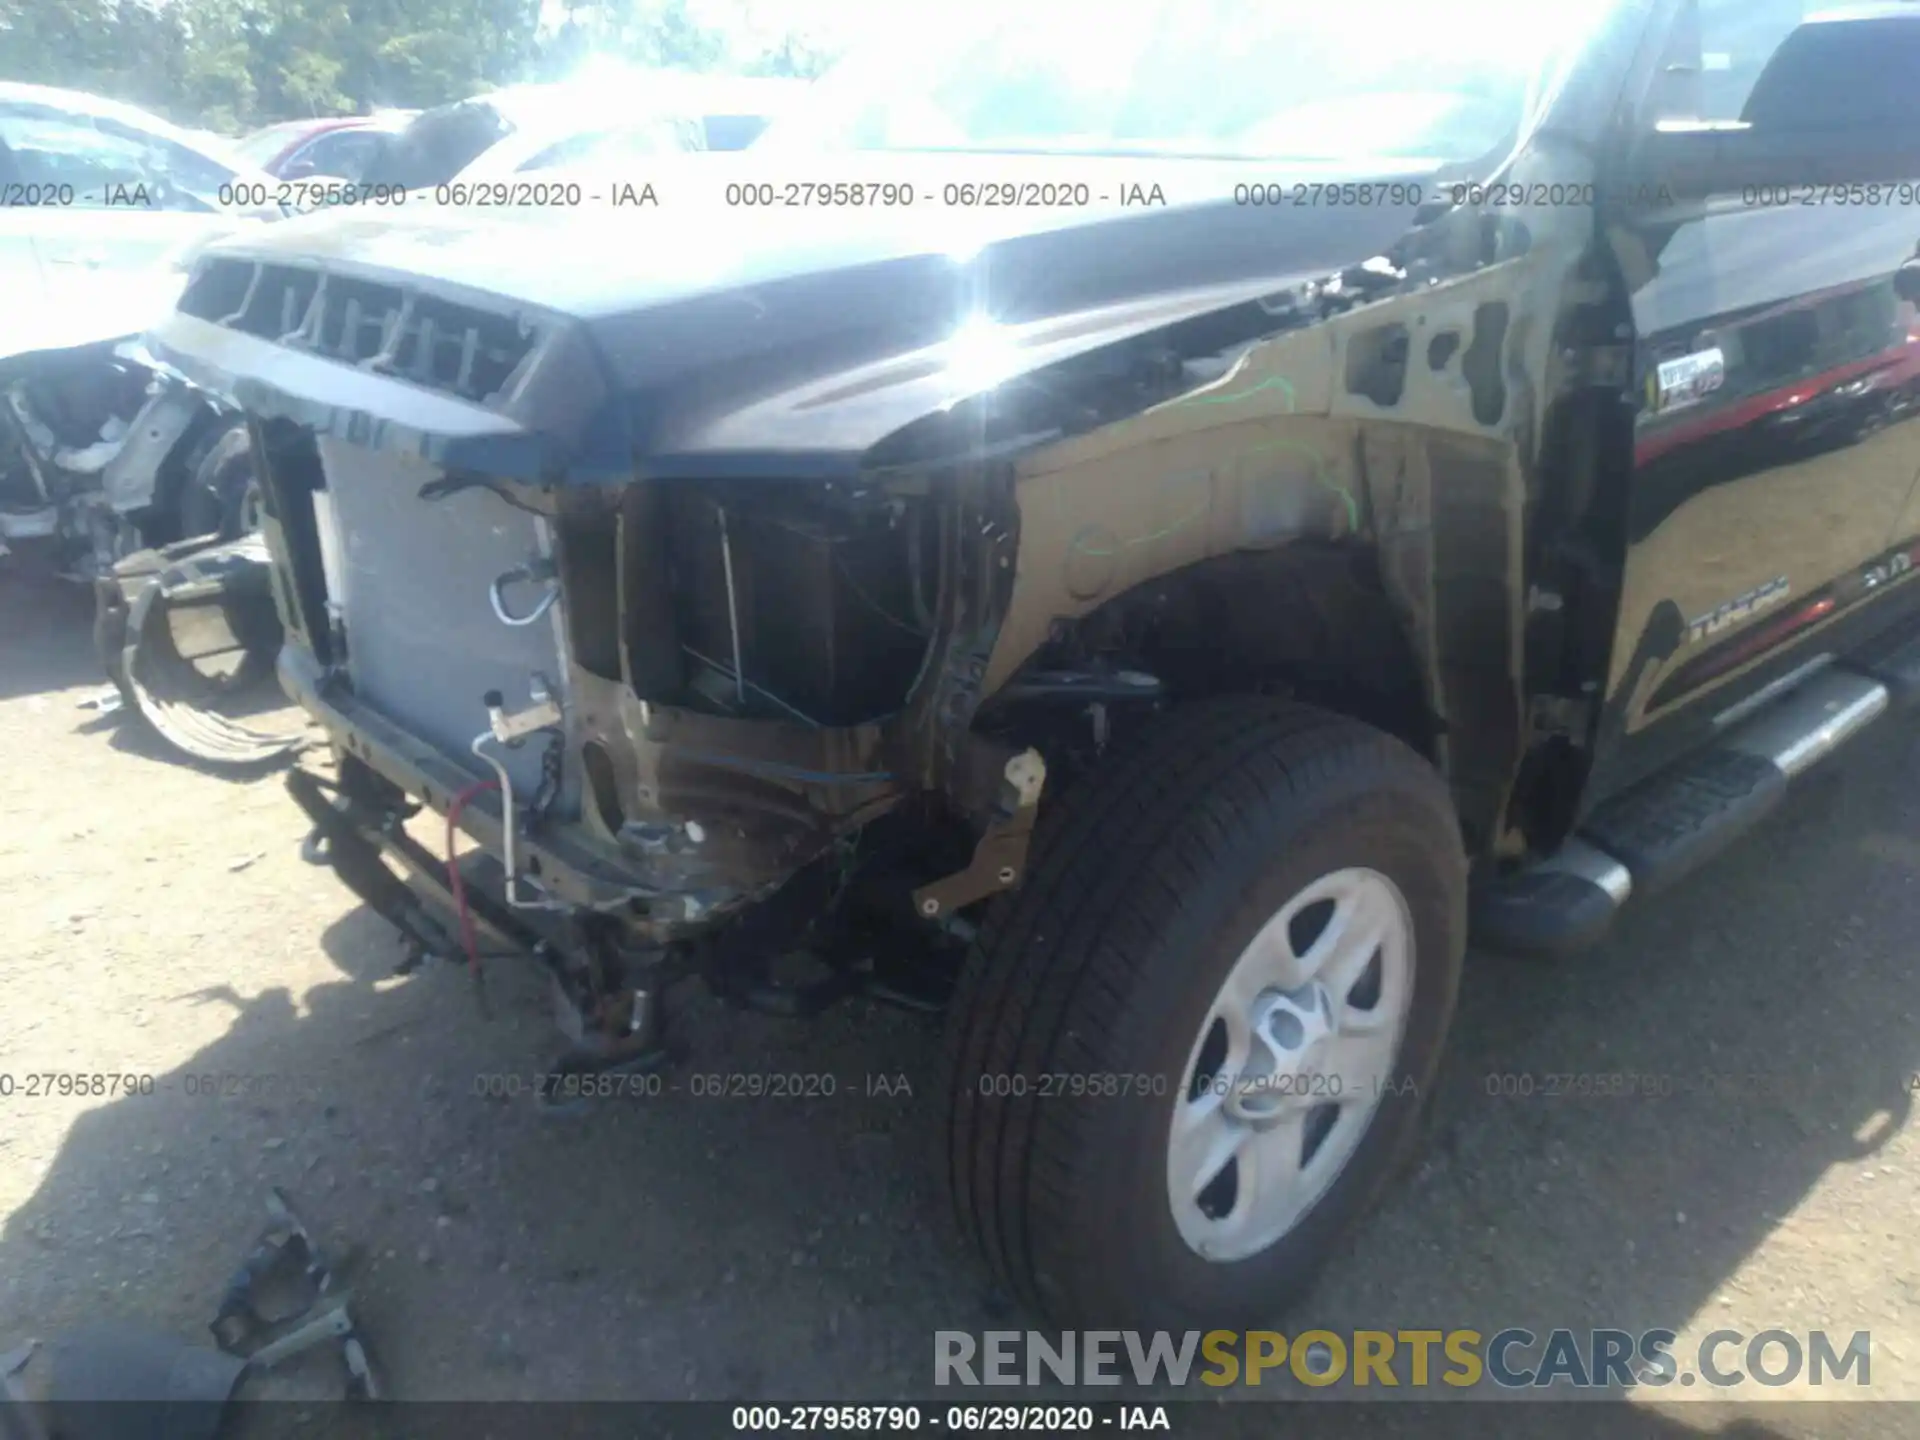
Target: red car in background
{"points": [[339, 147]]}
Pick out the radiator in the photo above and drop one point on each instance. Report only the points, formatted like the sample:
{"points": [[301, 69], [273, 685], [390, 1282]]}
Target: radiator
{"points": [[423, 643]]}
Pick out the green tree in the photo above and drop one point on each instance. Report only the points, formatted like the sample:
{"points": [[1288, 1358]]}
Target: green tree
{"points": [[232, 65], [125, 48]]}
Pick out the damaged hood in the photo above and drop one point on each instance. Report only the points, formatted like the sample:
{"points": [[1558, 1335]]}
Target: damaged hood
{"points": [[699, 340]]}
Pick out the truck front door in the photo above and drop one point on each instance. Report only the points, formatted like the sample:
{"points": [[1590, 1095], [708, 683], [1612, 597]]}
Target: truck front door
{"points": [[1775, 449]]}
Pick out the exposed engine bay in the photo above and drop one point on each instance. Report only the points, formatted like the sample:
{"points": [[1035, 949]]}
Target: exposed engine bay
{"points": [[700, 709]]}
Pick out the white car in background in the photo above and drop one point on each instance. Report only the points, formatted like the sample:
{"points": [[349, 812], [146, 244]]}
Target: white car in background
{"points": [[589, 122], [617, 113], [96, 199]]}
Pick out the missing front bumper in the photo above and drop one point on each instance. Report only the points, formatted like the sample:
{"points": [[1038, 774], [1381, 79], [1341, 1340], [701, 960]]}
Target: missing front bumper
{"points": [[657, 905]]}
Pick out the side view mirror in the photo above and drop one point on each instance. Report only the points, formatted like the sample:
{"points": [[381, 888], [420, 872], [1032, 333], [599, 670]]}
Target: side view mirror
{"points": [[1835, 105], [1906, 281]]}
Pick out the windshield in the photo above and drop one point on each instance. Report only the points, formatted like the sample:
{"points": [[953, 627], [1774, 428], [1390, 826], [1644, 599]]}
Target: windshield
{"points": [[624, 145], [1302, 79], [262, 145], [100, 156]]}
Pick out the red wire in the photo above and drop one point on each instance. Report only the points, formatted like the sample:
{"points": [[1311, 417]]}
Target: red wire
{"points": [[454, 880]]}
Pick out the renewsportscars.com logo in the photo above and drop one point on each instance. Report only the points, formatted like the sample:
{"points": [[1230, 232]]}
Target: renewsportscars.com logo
{"points": [[1376, 1360]]}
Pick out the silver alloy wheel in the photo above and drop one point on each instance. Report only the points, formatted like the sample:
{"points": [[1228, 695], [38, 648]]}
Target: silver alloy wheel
{"points": [[1294, 1055]]}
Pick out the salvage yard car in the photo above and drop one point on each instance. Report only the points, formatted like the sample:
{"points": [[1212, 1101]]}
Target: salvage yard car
{"points": [[339, 147], [602, 118], [101, 206], [1150, 600], [560, 126]]}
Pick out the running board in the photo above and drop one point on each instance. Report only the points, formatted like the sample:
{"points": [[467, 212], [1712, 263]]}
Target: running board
{"points": [[1670, 825], [1899, 670]]}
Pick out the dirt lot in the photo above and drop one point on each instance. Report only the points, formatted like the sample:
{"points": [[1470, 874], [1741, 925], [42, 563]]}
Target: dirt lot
{"points": [[159, 922]]}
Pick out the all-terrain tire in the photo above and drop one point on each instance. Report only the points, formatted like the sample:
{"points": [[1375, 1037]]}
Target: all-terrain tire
{"points": [[1147, 884]]}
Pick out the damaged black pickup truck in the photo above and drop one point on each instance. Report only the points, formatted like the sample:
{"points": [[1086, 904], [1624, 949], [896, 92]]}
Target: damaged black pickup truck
{"points": [[1152, 631]]}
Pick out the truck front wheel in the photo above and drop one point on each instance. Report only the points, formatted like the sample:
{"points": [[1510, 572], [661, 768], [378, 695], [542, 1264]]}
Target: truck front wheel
{"points": [[222, 495], [1195, 1045]]}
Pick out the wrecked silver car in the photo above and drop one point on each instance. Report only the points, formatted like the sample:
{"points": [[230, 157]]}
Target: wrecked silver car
{"points": [[1139, 598], [101, 453], [101, 209], [105, 452]]}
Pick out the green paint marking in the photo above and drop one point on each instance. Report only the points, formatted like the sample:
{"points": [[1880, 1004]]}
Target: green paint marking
{"points": [[1319, 463], [1234, 397], [1205, 477], [1083, 548]]}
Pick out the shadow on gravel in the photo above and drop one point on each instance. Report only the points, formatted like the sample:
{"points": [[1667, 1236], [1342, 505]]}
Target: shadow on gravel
{"points": [[679, 1245], [47, 642], [1615, 1135], [47, 648], [130, 736]]}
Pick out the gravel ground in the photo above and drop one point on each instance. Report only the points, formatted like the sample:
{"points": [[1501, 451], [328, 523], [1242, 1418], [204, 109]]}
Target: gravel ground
{"points": [[160, 923]]}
